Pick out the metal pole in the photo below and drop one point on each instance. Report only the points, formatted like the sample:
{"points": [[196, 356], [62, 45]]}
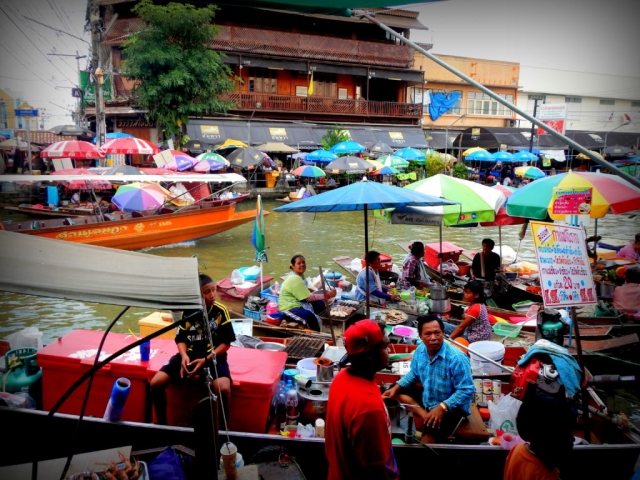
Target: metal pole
{"points": [[29, 144], [446, 132], [585, 401], [533, 127], [607, 134], [634, 181]]}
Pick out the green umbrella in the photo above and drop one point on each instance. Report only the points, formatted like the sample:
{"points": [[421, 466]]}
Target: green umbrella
{"points": [[393, 161]]}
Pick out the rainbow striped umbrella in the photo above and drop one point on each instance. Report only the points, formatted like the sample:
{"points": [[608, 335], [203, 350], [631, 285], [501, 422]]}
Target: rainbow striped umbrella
{"points": [[527, 171], [308, 171]]}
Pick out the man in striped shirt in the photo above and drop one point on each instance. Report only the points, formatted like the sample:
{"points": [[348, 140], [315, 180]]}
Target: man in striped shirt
{"points": [[445, 374]]}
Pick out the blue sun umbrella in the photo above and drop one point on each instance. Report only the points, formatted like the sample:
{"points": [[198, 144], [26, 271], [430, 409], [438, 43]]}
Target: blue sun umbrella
{"points": [[348, 147], [410, 154], [524, 156], [320, 156], [363, 196], [504, 157], [112, 135], [480, 156]]}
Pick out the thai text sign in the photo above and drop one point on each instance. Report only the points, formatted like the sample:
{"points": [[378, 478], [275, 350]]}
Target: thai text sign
{"points": [[571, 201], [553, 115], [565, 276]]}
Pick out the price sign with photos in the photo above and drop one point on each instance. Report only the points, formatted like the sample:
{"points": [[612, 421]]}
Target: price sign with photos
{"points": [[563, 265]]}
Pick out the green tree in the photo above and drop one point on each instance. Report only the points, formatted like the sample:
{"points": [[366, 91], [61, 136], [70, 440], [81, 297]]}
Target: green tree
{"points": [[434, 164], [175, 73], [334, 135], [460, 171]]}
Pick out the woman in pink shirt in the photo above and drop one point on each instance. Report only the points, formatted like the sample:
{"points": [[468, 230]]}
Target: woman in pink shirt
{"points": [[631, 251]]}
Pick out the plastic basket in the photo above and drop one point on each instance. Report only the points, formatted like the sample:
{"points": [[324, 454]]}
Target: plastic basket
{"points": [[508, 330], [268, 294], [253, 313]]}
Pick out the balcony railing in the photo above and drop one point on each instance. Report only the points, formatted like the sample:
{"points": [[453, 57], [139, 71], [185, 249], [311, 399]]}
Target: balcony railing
{"points": [[324, 105]]}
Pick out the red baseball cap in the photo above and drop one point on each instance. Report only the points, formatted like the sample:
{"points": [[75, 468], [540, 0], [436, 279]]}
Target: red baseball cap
{"points": [[361, 336]]}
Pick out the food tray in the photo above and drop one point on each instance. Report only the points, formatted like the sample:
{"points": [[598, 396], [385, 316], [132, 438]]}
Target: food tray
{"points": [[508, 330], [391, 316], [300, 347], [347, 303]]}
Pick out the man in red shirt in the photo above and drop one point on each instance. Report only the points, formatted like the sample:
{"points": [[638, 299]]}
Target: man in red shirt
{"points": [[358, 430]]}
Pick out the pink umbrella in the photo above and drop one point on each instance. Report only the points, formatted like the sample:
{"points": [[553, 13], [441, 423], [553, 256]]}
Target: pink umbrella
{"points": [[72, 149], [130, 146], [90, 183], [181, 161]]}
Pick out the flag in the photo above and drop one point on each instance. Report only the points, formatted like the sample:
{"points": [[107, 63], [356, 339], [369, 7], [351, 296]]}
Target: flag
{"points": [[310, 89], [611, 116], [627, 118], [257, 237]]}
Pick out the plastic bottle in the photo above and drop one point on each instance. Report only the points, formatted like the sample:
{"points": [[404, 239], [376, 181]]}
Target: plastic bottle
{"points": [[319, 428], [281, 412], [29, 402], [293, 413]]}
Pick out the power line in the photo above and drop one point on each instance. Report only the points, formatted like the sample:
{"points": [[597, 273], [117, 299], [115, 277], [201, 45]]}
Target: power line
{"points": [[56, 29]]}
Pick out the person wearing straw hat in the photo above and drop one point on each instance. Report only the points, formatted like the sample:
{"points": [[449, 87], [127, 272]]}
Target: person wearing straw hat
{"points": [[195, 352], [358, 429]]}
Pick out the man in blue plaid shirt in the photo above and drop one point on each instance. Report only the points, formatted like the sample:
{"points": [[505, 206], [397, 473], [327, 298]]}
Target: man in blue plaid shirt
{"points": [[445, 374]]}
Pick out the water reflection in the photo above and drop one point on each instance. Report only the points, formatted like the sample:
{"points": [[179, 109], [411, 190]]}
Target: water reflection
{"points": [[319, 237]]}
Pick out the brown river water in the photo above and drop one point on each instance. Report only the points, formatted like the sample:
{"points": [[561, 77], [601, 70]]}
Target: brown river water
{"points": [[319, 237]]}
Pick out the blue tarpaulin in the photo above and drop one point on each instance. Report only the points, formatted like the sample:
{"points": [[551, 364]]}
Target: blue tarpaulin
{"points": [[441, 103]]}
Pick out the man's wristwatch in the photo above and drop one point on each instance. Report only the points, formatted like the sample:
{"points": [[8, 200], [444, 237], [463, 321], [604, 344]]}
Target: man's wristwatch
{"points": [[444, 407]]}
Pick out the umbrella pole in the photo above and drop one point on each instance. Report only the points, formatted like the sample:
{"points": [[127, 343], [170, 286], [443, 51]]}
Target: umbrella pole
{"points": [[326, 305], [595, 243], [366, 263], [585, 401], [500, 240], [440, 253]]}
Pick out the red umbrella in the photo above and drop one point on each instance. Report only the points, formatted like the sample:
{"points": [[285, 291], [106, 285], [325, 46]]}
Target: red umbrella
{"points": [[71, 149], [130, 146], [96, 184]]}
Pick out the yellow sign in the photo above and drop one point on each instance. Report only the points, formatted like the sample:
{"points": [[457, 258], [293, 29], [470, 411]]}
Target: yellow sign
{"points": [[278, 132], [396, 135], [25, 106], [475, 132], [210, 129]]}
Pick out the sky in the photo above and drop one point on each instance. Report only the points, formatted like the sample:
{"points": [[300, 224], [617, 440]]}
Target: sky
{"points": [[581, 35], [599, 36]]}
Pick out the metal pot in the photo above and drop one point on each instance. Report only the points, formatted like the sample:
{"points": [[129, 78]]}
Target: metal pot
{"points": [[273, 346], [440, 306], [324, 370], [606, 289], [438, 292]]}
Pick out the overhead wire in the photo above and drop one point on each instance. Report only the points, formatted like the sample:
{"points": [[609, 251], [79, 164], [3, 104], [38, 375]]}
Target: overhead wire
{"points": [[32, 43]]}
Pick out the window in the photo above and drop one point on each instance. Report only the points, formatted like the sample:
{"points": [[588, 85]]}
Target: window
{"points": [[325, 85], [263, 80], [479, 103], [606, 111], [574, 107], [635, 104]]}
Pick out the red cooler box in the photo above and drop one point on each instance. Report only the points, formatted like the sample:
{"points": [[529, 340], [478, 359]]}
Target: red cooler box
{"points": [[449, 252], [65, 360], [255, 375]]}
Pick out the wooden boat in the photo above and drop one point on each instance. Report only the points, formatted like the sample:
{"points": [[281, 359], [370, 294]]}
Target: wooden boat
{"points": [[129, 231], [58, 212]]}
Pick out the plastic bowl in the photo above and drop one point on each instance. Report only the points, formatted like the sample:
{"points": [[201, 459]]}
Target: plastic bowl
{"points": [[307, 368], [247, 277]]}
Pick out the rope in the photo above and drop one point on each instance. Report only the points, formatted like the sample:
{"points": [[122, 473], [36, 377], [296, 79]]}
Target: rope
{"points": [[635, 364]]}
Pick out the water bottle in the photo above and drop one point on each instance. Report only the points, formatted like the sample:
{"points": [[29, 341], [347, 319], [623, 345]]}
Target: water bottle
{"points": [[281, 412], [293, 413], [29, 402]]}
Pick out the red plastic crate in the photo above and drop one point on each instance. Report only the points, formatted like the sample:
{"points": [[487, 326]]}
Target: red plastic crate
{"points": [[65, 360], [255, 375], [449, 252], [386, 263]]}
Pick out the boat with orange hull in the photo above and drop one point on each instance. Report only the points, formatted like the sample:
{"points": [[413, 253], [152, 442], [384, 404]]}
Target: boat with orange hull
{"points": [[131, 231]]}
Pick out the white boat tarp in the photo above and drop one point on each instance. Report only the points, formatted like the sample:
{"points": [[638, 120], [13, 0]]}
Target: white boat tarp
{"points": [[55, 268]]}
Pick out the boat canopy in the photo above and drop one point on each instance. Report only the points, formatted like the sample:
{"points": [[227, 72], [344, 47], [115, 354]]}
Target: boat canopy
{"points": [[54, 268]]}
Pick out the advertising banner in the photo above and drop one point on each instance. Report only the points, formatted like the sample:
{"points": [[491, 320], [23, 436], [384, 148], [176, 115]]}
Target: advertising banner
{"points": [[563, 265], [554, 115], [571, 201]]}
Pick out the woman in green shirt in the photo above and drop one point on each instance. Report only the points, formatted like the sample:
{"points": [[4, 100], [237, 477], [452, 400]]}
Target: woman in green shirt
{"points": [[296, 300]]}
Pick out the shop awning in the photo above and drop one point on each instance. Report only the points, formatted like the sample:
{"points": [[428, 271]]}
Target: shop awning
{"points": [[299, 135]]}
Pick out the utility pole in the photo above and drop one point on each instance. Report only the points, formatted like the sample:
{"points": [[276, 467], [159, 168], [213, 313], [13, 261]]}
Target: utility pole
{"points": [[95, 68], [533, 125]]}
